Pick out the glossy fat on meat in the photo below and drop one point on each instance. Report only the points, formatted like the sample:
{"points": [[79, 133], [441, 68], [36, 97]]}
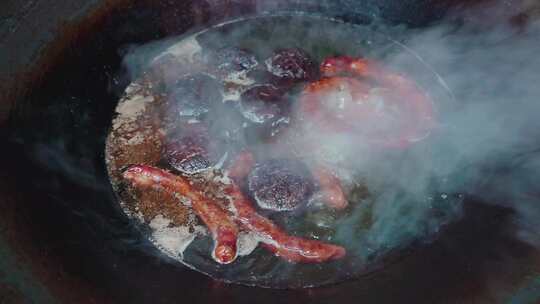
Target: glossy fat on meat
{"points": [[188, 149], [291, 248], [394, 115], [280, 184], [345, 66], [291, 65], [396, 112], [262, 104]]}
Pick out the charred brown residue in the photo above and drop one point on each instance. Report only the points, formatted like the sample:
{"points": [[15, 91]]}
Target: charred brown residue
{"points": [[152, 203], [137, 138]]}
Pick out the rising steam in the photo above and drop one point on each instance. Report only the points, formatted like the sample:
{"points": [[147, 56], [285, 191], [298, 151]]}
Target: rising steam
{"points": [[486, 93]]}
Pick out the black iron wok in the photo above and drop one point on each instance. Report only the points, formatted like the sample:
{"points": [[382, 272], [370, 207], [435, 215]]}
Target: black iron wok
{"points": [[63, 238]]}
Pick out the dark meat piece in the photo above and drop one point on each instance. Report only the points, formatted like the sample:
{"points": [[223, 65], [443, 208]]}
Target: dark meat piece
{"points": [[280, 184], [289, 66], [267, 109], [193, 95], [335, 103], [387, 110], [188, 149], [263, 104], [229, 60], [330, 188]]}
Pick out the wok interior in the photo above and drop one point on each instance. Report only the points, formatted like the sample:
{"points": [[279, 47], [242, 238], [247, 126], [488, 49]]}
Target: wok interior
{"points": [[56, 170]]}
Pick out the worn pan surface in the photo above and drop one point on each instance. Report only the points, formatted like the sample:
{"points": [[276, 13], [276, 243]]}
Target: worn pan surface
{"points": [[63, 238]]}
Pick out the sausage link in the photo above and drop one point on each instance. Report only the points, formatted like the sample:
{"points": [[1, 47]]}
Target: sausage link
{"points": [[290, 248], [219, 222]]}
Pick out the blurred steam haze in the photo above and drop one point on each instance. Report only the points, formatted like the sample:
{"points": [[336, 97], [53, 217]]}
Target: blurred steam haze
{"points": [[492, 130], [490, 126]]}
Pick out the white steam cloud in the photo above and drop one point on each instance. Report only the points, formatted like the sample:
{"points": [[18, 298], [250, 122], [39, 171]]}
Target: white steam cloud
{"points": [[493, 125], [486, 143]]}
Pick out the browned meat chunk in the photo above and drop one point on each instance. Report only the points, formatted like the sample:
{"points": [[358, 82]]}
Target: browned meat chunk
{"points": [[188, 149], [289, 66], [263, 104], [280, 184]]}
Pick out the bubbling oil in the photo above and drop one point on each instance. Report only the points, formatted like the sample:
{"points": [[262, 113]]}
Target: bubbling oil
{"points": [[394, 197]]}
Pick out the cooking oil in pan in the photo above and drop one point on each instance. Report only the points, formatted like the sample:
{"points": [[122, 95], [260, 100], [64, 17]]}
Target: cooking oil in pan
{"points": [[190, 104]]}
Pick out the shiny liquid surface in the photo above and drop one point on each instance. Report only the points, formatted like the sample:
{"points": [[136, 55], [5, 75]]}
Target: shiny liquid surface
{"points": [[396, 197]]}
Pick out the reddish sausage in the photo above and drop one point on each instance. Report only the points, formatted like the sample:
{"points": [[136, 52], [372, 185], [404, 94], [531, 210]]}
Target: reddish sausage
{"points": [[290, 248], [218, 221]]}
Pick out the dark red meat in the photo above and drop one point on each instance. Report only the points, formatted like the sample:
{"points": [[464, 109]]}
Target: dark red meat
{"points": [[280, 184], [293, 65], [267, 110], [290, 248], [407, 111], [389, 111], [262, 104], [189, 150], [345, 66], [330, 188]]}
